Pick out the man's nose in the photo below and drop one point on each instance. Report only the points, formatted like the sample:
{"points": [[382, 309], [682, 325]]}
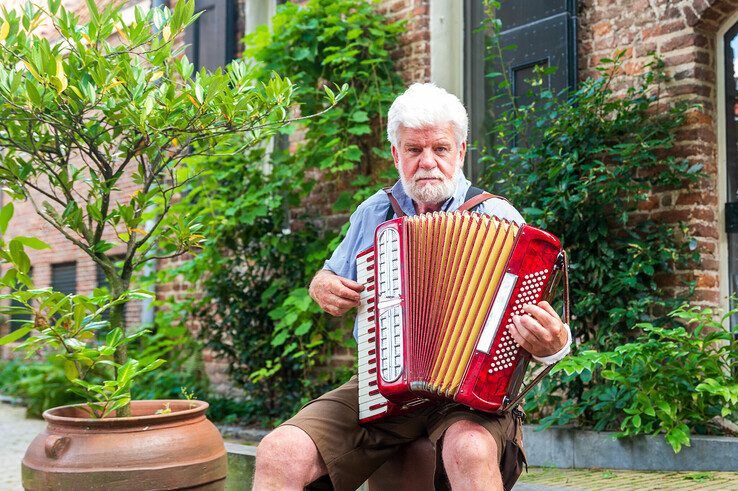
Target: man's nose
{"points": [[427, 159]]}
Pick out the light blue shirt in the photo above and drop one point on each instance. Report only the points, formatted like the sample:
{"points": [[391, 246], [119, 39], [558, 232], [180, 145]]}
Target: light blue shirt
{"points": [[373, 211]]}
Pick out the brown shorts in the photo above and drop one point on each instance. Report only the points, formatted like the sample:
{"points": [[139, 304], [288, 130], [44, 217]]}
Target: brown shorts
{"points": [[352, 452]]}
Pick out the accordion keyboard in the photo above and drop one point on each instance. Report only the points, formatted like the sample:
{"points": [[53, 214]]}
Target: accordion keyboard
{"points": [[371, 402]]}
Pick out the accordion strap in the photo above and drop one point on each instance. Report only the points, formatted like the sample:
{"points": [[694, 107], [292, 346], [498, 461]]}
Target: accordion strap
{"points": [[567, 318], [394, 204], [476, 201], [474, 198]]}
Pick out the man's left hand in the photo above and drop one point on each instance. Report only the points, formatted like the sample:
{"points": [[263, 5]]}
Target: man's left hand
{"points": [[542, 332]]}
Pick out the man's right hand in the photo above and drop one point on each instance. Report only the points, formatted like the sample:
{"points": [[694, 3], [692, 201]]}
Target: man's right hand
{"points": [[334, 294]]}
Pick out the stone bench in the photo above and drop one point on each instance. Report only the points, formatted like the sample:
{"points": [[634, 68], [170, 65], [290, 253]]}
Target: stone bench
{"points": [[411, 470]]}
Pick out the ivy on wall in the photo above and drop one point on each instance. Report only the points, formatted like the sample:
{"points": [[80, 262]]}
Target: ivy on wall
{"points": [[265, 237]]}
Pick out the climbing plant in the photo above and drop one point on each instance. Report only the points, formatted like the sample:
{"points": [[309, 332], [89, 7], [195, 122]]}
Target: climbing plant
{"points": [[266, 233]]}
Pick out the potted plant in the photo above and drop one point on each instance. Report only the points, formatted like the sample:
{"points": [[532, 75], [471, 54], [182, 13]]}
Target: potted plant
{"points": [[93, 130]]}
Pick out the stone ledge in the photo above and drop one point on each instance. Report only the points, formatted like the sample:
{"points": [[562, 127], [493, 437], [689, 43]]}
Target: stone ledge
{"points": [[570, 448], [241, 460], [580, 449]]}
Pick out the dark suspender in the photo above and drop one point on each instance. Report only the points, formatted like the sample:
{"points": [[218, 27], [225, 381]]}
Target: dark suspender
{"points": [[474, 197], [394, 207]]}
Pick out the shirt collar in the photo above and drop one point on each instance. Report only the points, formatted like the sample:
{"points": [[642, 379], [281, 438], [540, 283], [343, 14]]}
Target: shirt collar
{"points": [[451, 204]]}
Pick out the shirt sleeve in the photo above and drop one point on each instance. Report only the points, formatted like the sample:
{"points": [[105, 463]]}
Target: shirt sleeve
{"points": [[343, 259], [551, 359], [502, 209]]}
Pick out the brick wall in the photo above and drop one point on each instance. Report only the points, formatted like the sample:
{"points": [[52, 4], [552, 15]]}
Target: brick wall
{"points": [[684, 34], [413, 56]]}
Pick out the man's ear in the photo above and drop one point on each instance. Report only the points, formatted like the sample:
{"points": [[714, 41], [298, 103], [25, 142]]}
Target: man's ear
{"points": [[396, 157], [462, 152]]}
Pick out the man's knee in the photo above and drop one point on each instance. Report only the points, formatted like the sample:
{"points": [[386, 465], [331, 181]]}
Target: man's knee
{"points": [[290, 453], [468, 445]]}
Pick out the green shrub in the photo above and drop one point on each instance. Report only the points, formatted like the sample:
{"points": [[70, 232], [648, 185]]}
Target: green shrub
{"points": [[670, 379], [582, 164], [579, 166], [39, 385]]}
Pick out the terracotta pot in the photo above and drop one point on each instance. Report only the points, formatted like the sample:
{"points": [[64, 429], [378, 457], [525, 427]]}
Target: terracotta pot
{"points": [[178, 450]]}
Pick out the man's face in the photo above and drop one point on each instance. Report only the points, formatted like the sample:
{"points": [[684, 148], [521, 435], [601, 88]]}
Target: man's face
{"points": [[428, 159]]}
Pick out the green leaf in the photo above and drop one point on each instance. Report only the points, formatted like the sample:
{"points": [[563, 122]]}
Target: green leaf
{"points": [[303, 328], [279, 339], [33, 243], [126, 373], [114, 337], [15, 335], [533, 212], [152, 366], [360, 116], [70, 370], [18, 255], [6, 213]]}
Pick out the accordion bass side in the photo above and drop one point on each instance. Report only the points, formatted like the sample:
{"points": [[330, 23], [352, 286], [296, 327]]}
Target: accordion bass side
{"points": [[440, 293]]}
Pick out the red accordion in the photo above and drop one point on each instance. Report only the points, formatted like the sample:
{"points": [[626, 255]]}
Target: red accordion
{"points": [[440, 293]]}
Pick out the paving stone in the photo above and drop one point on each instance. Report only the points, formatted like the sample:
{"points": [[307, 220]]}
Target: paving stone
{"points": [[605, 480], [16, 432]]}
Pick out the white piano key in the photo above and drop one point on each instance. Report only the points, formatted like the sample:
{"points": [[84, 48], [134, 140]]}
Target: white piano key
{"points": [[364, 414], [365, 359], [365, 393], [368, 402]]}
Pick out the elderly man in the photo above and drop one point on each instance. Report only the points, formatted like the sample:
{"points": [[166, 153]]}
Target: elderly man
{"points": [[427, 129]]}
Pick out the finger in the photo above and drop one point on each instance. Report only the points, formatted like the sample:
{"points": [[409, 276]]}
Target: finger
{"points": [[518, 338], [357, 287], [335, 310], [547, 307], [521, 336], [340, 302], [533, 330], [541, 315], [337, 288]]}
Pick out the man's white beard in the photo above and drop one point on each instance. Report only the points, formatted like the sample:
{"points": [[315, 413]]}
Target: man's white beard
{"points": [[430, 194]]}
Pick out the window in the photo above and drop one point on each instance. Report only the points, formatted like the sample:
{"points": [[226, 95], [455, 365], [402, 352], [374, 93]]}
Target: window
{"points": [[543, 32], [64, 277], [211, 39], [730, 43]]}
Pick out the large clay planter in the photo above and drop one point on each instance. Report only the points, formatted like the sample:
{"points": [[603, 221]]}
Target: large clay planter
{"points": [[146, 451]]}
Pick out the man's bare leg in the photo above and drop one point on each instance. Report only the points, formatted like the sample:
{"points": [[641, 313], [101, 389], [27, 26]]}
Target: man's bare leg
{"points": [[470, 457], [287, 459]]}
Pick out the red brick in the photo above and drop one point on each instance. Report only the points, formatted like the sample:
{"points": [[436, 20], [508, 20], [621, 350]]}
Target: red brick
{"points": [[696, 198], [684, 41]]}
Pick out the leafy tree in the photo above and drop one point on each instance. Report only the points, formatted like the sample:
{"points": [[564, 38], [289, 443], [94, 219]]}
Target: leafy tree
{"points": [[111, 100]]}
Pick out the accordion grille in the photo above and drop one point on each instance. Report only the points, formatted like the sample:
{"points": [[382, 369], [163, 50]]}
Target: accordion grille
{"points": [[455, 262]]}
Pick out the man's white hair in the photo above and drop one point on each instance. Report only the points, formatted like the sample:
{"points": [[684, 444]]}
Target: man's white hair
{"points": [[423, 105]]}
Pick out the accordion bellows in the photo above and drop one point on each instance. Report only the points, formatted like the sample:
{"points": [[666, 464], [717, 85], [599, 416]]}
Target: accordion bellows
{"points": [[440, 293]]}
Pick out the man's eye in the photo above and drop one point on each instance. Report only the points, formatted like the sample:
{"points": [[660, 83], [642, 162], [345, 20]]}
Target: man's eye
{"points": [[414, 150], [441, 149]]}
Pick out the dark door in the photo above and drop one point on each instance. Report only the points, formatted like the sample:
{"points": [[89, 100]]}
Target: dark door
{"points": [[534, 33], [211, 39]]}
